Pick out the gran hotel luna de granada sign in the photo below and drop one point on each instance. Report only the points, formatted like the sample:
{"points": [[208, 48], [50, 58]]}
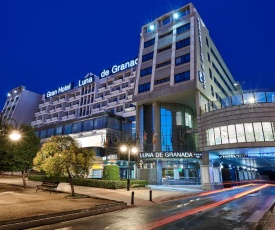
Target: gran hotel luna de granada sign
{"points": [[170, 155], [65, 88], [118, 68]]}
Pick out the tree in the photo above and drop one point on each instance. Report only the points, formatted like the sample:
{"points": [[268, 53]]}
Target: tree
{"points": [[62, 155], [111, 172], [18, 155]]}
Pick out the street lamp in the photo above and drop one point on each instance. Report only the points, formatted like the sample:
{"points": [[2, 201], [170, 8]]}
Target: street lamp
{"points": [[14, 135], [134, 150]]}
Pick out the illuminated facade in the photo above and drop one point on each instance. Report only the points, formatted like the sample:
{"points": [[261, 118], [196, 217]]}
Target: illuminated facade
{"points": [[179, 70], [177, 101]]}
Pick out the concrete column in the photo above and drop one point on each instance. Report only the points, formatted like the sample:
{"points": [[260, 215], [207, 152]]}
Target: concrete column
{"points": [[206, 172], [159, 172], [156, 127], [186, 173]]}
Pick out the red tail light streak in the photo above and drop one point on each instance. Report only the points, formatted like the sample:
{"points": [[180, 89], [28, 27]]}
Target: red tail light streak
{"points": [[203, 208]]}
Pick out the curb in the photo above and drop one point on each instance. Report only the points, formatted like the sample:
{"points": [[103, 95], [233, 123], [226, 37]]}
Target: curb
{"points": [[37, 221]]}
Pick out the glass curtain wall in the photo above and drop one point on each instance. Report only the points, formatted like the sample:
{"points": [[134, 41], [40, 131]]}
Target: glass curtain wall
{"points": [[175, 120]]}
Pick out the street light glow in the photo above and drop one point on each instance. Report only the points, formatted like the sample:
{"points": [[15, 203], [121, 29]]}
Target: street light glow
{"points": [[15, 135]]}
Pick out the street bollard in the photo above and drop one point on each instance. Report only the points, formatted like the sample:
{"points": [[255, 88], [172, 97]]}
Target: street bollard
{"points": [[150, 196], [132, 198]]}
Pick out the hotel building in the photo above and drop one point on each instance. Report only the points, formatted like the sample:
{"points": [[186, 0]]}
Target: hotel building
{"points": [[177, 102]]}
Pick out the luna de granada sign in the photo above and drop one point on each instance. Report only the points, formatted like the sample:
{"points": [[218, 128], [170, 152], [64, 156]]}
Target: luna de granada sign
{"points": [[170, 155], [117, 68]]}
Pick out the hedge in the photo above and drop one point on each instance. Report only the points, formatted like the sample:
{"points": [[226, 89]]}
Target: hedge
{"points": [[109, 184]]}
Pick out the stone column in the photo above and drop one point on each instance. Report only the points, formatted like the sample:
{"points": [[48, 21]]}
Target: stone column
{"points": [[206, 173]]}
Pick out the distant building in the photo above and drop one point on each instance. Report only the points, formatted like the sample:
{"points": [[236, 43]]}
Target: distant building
{"points": [[21, 104]]}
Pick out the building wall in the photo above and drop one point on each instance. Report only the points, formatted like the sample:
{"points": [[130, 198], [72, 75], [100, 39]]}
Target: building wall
{"points": [[241, 114], [21, 105]]}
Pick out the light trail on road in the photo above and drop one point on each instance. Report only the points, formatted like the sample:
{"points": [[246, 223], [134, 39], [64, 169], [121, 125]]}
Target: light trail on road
{"points": [[200, 209]]}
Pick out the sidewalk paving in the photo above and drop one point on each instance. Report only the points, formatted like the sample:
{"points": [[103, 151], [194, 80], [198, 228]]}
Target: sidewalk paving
{"points": [[25, 208]]}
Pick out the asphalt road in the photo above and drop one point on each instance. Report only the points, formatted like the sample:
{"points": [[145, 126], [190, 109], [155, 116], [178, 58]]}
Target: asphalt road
{"points": [[237, 208]]}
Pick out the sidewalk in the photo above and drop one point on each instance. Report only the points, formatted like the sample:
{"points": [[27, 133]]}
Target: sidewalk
{"points": [[26, 208], [141, 195]]}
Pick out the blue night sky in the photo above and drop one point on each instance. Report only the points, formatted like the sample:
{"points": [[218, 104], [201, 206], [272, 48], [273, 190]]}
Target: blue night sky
{"points": [[46, 44]]}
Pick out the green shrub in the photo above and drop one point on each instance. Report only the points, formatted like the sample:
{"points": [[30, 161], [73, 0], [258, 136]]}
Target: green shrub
{"points": [[109, 184], [111, 172]]}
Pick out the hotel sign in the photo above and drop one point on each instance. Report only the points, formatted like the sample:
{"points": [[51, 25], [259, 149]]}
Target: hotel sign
{"points": [[118, 68], [201, 73], [170, 155], [61, 89], [245, 155], [86, 81]]}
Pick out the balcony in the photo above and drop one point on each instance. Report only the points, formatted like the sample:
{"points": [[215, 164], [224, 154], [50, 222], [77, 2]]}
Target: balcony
{"points": [[71, 98], [117, 81], [67, 107], [77, 96], [129, 109], [112, 103], [132, 84], [115, 92], [55, 102], [130, 97], [64, 118], [43, 111], [58, 109], [124, 89], [98, 99], [37, 114], [102, 89], [71, 116], [55, 119], [75, 106], [52, 110], [62, 100]]}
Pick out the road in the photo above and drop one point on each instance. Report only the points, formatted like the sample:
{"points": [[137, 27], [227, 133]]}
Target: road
{"points": [[234, 208]]}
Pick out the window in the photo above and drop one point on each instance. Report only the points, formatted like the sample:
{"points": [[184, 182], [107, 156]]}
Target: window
{"points": [[183, 28], [258, 130], [183, 43], [212, 91], [260, 97], [268, 134], [163, 80], [182, 59], [224, 135], [100, 123], [166, 21], [147, 57], [249, 134], [144, 87], [88, 125], [163, 64], [184, 76], [232, 134], [68, 129], [77, 127], [240, 133], [149, 42], [217, 133], [270, 97], [237, 100], [146, 71], [210, 74], [207, 43], [58, 130]]}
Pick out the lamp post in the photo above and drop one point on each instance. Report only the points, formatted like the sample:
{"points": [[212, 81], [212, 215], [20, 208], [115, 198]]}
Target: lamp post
{"points": [[14, 135], [134, 150]]}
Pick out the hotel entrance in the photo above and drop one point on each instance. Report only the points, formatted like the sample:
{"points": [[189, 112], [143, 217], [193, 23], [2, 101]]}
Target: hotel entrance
{"points": [[179, 172]]}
